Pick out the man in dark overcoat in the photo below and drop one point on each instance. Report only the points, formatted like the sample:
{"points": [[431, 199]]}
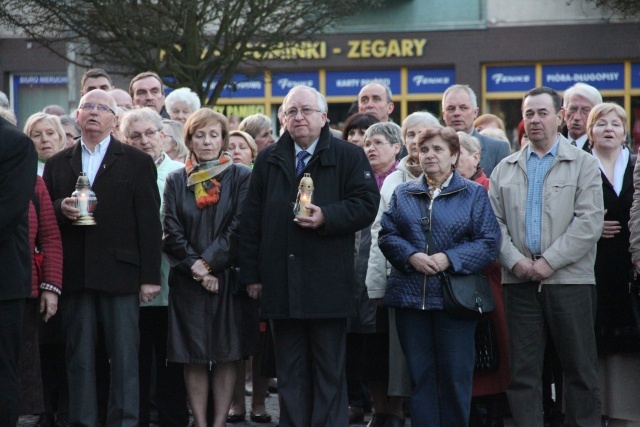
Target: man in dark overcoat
{"points": [[302, 266], [108, 267], [18, 167]]}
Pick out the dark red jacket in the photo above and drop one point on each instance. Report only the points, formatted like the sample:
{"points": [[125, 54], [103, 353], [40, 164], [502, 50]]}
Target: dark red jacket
{"points": [[43, 223]]}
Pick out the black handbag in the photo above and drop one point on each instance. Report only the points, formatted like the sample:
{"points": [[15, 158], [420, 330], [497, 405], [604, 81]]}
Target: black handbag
{"points": [[466, 296], [487, 354]]}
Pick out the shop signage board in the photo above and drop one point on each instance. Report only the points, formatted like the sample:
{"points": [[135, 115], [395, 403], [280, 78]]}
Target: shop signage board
{"points": [[430, 80], [349, 83], [281, 83], [607, 76], [510, 78]]}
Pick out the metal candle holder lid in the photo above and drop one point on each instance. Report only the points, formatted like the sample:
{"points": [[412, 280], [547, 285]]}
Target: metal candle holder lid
{"points": [[83, 181], [306, 183]]}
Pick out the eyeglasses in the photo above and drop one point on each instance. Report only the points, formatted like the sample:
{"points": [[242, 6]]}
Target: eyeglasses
{"points": [[88, 106], [375, 144], [583, 110], [306, 111], [137, 137]]}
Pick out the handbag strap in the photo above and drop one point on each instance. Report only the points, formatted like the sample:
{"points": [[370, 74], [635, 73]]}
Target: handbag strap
{"points": [[426, 226]]}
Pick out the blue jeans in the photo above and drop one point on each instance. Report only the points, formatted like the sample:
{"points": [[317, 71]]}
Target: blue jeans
{"points": [[440, 352]]}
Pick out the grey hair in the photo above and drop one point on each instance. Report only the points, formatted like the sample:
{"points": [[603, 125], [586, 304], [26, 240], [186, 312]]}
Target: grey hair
{"points": [[4, 101], [176, 132], [70, 121], [8, 115], [139, 115], [469, 143], [416, 118], [586, 91], [322, 102], [254, 124], [466, 88], [389, 130], [183, 94], [35, 118]]}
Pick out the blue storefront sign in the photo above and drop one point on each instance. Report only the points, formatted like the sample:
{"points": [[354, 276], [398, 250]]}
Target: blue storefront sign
{"points": [[41, 80], [516, 78], [635, 75], [281, 83], [608, 76], [349, 83], [434, 80], [243, 86]]}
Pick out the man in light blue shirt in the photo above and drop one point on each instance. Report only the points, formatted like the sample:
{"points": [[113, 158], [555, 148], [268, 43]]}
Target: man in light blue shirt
{"points": [[548, 202]]}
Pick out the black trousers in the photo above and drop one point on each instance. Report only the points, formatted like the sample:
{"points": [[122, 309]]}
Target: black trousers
{"points": [[11, 315], [310, 359], [170, 391]]}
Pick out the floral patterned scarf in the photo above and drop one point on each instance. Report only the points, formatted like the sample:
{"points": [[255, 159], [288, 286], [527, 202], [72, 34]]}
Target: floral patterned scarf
{"points": [[201, 178]]}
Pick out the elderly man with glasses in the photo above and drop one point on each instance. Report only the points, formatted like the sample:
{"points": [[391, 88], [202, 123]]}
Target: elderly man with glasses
{"points": [[110, 267], [302, 266]]}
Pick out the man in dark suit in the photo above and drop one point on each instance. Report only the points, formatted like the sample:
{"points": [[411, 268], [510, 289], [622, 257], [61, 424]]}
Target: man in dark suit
{"points": [[578, 101], [109, 267], [459, 110], [18, 169], [299, 264]]}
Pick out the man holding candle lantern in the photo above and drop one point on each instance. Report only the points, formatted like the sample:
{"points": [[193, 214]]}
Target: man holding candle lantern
{"points": [[109, 267], [302, 266]]}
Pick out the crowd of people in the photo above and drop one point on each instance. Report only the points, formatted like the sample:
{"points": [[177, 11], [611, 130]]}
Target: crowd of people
{"points": [[199, 281]]}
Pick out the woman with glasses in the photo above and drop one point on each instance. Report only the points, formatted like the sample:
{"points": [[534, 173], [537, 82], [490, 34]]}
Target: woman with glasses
{"points": [[211, 325], [143, 129], [438, 346]]}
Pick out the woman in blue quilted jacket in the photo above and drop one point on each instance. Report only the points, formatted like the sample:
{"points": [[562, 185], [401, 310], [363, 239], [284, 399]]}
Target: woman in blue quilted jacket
{"points": [[439, 347]]}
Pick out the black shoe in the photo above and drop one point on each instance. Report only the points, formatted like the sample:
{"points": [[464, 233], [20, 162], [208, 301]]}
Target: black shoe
{"points": [[393, 421], [45, 420], [236, 418], [260, 418], [377, 420]]}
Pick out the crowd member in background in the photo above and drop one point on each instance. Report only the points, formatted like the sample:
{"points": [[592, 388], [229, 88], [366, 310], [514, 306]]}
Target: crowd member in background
{"points": [[249, 378], [523, 139], [8, 115], [211, 326], [260, 128], [4, 101], [17, 182], [378, 268], [234, 122], [382, 143], [54, 110], [173, 140], [617, 334], [439, 347], [46, 286], [578, 101], [181, 103], [376, 99], [242, 147], [147, 90], [459, 110], [488, 121], [71, 130], [355, 126], [253, 376], [123, 99], [285, 256], [365, 320], [495, 133], [95, 78], [143, 129], [489, 400], [47, 134]]}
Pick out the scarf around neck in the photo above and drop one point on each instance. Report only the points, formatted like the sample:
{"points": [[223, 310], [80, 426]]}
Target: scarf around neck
{"points": [[201, 178]]}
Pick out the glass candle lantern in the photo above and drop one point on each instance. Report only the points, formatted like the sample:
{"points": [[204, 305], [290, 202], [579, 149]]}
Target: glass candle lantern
{"points": [[85, 201], [304, 198]]}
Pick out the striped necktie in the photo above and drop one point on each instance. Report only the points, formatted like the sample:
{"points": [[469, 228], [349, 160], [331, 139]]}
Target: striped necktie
{"points": [[301, 156]]}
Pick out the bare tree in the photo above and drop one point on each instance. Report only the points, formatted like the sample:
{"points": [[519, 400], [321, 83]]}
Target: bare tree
{"points": [[625, 8], [196, 43]]}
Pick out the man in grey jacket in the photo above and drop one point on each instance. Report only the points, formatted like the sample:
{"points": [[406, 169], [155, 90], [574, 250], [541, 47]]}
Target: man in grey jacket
{"points": [[459, 110], [548, 201]]}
